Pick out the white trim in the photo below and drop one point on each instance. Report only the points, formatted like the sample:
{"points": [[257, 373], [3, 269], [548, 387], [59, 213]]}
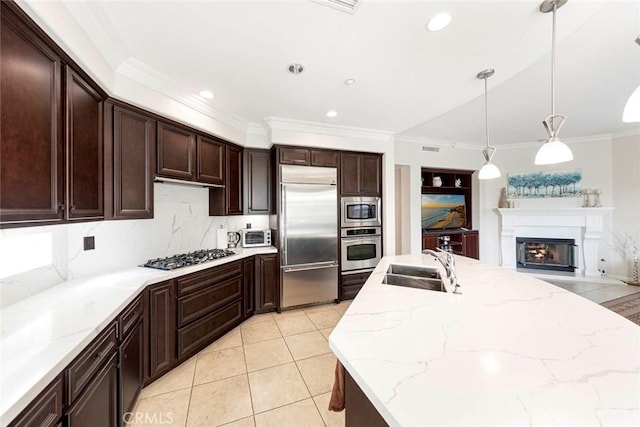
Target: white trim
{"points": [[281, 123]]}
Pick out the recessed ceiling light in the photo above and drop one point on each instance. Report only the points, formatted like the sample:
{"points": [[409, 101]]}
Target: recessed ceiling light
{"points": [[439, 21], [332, 113], [206, 94], [349, 82], [295, 68]]}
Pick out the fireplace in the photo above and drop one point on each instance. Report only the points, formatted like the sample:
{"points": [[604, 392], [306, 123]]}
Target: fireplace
{"points": [[545, 254]]}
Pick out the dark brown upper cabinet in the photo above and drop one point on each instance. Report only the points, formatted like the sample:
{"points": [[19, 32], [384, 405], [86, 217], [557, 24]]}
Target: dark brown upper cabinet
{"points": [[228, 200], [307, 157], [176, 152], [257, 181], [360, 174], [129, 184], [84, 146], [210, 154], [31, 130]]}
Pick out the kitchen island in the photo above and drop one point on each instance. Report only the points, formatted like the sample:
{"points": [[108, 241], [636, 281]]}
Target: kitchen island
{"points": [[511, 350]]}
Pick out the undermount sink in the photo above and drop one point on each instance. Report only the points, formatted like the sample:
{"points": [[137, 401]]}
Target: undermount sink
{"points": [[414, 277]]}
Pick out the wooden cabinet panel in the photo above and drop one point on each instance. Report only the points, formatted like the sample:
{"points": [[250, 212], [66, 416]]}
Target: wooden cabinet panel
{"points": [[267, 283], [196, 305], [349, 174], [84, 367], [459, 242], [294, 156], [84, 148], [202, 332], [131, 368], [129, 317], [359, 411], [470, 244], [429, 241], [31, 142], [350, 284], [134, 139], [176, 152], [325, 158], [234, 181], [211, 160], [249, 282], [207, 278], [162, 328], [370, 175], [98, 404], [257, 170], [45, 410]]}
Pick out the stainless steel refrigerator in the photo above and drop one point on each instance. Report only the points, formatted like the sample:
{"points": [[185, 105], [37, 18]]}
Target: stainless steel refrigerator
{"points": [[308, 235]]}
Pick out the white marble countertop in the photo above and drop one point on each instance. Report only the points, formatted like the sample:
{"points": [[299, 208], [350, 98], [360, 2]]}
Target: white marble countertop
{"points": [[42, 334], [511, 350]]}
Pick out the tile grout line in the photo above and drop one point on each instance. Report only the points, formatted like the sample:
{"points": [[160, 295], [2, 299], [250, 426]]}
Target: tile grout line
{"points": [[244, 357]]}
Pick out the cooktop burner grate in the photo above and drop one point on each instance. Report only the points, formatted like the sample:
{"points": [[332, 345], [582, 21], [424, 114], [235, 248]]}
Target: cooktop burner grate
{"points": [[185, 260]]}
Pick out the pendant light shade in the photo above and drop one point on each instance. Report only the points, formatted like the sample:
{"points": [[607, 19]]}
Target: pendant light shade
{"points": [[553, 150], [631, 112], [488, 170]]}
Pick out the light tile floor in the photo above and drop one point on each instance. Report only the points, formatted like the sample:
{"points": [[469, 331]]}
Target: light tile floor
{"points": [[272, 370], [596, 292]]}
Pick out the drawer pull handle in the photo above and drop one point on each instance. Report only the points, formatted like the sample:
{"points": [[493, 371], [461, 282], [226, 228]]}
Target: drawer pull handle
{"points": [[98, 354]]}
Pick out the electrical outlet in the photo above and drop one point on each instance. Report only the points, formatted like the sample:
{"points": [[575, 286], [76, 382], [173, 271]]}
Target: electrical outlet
{"points": [[89, 243]]}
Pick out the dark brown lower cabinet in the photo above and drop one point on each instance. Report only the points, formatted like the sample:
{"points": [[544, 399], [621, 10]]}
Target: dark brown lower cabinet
{"points": [[45, 410], [249, 281], [162, 328], [131, 369], [350, 284], [97, 405], [359, 411], [267, 283], [459, 242]]}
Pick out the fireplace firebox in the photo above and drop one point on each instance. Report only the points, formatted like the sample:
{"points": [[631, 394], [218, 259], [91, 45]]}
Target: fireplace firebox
{"points": [[546, 254]]}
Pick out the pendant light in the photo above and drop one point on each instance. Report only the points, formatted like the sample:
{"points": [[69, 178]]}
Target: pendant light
{"points": [[553, 150], [488, 170], [631, 113]]}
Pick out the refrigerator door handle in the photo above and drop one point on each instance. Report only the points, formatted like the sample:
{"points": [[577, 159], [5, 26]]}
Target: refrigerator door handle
{"points": [[283, 225], [310, 267]]}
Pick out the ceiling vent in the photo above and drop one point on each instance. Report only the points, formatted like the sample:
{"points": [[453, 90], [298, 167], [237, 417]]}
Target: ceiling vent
{"points": [[428, 148], [348, 6]]}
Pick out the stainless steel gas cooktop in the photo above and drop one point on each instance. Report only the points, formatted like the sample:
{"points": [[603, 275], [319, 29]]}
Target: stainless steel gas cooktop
{"points": [[185, 260]]}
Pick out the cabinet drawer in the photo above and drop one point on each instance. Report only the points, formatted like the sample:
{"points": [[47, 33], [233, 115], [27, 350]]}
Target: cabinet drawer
{"points": [[80, 372], [202, 332], [130, 317], [206, 278], [355, 279], [45, 410], [197, 304]]}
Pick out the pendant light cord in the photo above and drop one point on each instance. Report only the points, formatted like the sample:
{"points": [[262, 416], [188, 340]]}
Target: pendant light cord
{"points": [[553, 66], [486, 113]]}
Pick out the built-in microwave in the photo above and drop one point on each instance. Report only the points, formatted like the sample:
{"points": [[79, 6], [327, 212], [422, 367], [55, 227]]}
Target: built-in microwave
{"points": [[251, 238], [360, 212]]}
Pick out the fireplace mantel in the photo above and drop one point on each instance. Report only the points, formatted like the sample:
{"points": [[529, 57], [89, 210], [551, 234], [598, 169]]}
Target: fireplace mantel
{"points": [[584, 225]]}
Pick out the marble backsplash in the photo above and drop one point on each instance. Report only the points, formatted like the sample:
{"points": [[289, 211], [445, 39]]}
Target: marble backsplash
{"points": [[35, 258]]}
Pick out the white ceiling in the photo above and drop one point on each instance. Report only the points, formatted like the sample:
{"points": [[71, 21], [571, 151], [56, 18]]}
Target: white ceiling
{"points": [[408, 81]]}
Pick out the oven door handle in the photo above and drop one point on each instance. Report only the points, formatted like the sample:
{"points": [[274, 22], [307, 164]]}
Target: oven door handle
{"points": [[361, 239]]}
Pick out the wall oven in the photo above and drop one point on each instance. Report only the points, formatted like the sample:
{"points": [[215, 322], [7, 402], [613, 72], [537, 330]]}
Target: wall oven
{"points": [[360, 212], [361, 249]]}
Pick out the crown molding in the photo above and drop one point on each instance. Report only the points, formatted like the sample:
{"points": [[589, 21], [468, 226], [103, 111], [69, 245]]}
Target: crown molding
{"points": [[256, 129], [443, 143], [280, 123], [138, 71]]}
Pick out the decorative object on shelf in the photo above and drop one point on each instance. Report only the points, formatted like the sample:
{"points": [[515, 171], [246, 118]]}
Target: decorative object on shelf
{"points": [[458, 183], [553, 150], [503, 203], [631, 113], [536, 185], [488, 170], [437, 181], [596, 198], [586, 201]]}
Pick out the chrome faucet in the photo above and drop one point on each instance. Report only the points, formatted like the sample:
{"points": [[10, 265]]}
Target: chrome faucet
{"points": [[449, 263]]}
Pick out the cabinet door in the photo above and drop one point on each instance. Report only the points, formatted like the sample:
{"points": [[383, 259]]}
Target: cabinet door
{"points": [[268, 283], [349, 174], [324, 158], [162, 328], [294, 156], [211, 160], [370, 175], [31, 142], [176, 152], [249, 295], [430, 241], [470, 244], [84, 148], [131, 368], [45, 410], [134, 139], [233, 187], [257, 169], [97, 406]]}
